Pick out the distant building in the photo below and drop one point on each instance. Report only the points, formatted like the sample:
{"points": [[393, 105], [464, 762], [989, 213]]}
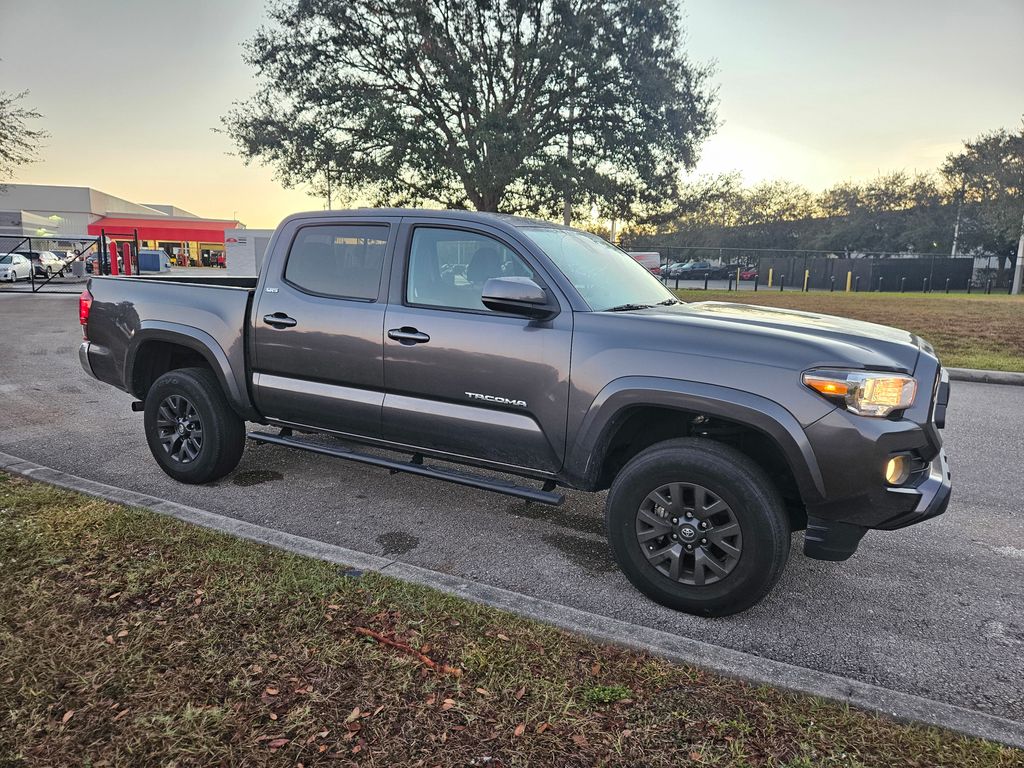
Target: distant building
{"points": [[59, 217]]}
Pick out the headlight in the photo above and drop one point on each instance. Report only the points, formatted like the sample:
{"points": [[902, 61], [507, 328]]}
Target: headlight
{"points": [[866, 393]]}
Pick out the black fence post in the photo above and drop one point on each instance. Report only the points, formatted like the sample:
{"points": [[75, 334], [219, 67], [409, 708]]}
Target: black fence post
{"points": [[756, 279], [832, 284], [947, 285], [730, 282], [988, 286], [677, 283], [970, 284], [880, 279], [705, 281], [856, 284], [903, 285], [782, 283], [924, 285]]}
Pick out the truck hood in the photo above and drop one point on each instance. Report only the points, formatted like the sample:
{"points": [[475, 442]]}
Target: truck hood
{"points": [[826, 339]]}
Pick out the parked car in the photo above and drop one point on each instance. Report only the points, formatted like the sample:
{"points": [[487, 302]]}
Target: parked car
{"points": [[45, 263], [90, 263], [716, 428], [750, 273], [14, 267], [673, 269]]}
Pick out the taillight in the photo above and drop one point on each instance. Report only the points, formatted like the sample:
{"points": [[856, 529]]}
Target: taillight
{"points": [[84, 305]]}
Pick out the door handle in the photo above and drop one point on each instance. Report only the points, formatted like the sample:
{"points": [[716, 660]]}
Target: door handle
{"points": [[279, 320], [407, 335]]}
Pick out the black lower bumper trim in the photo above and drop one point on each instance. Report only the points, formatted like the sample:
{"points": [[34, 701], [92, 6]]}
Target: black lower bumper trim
{"points": [[831, 540]]}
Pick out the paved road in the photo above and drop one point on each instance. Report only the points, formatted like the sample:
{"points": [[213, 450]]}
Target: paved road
{"points": [[936, 610]]}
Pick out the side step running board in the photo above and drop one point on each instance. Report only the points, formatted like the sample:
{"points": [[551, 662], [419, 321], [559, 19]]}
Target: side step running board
{"points": [[416, 467]]}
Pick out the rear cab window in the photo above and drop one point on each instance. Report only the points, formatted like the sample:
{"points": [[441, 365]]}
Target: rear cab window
{"points": [[343, 261]]}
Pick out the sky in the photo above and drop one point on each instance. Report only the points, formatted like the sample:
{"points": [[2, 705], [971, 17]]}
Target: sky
{"points": [[814, 92]]}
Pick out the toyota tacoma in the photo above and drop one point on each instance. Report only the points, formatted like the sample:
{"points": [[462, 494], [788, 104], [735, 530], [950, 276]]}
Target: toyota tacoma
{"points": [[519, 347]]}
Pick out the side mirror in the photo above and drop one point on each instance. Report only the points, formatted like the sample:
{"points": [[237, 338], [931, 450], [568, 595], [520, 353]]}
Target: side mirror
{"points": [[517, 296]]}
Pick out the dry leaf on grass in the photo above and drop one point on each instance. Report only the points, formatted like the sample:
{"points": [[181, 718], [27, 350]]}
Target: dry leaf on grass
{"points": [[520, 730]]}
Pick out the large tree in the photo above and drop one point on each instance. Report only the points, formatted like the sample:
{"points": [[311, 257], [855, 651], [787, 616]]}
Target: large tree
{"points": [[989, 177], [19, 142], [499, 105]]}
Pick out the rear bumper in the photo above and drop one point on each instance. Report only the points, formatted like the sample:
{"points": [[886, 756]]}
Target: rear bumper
{"points": [[83, 358]]}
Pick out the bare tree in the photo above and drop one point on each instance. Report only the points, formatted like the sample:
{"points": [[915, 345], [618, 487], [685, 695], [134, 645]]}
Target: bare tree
{"points": [[19, 143]]}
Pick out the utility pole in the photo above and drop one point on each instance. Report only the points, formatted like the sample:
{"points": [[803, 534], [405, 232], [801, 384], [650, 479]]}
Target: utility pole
{"points": [[328, 183], [567, 205], [956, 227], [1018, 271]]}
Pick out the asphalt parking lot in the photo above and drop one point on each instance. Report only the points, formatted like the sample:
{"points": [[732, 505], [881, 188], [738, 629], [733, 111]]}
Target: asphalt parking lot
{"points": [[936, 610]]}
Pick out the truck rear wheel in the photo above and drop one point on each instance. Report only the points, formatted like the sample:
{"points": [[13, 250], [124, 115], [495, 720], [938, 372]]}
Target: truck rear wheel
{"points": [[697, 526], [192, 431]]}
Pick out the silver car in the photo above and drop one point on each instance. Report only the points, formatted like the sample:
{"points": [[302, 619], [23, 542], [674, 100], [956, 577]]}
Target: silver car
{"points": [[14, 267]]}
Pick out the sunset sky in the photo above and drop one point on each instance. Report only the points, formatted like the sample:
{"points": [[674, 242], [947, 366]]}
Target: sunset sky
{"points": [[812, 92]]}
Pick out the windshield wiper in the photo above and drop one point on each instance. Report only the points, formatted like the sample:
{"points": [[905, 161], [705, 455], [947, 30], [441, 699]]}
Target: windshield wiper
{"points": [[628, 307]]}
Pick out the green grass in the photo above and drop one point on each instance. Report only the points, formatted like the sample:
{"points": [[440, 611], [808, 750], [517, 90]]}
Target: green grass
{"points": [[130, 638], [967, 331]]}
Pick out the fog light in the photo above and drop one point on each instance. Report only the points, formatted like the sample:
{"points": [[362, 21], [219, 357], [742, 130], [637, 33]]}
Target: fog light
{"points": [[897, 470]]}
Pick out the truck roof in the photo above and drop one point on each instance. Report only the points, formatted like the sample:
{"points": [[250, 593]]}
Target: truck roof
{"points": [[506, 219]]}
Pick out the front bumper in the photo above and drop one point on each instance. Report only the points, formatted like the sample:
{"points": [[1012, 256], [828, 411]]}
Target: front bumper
{"points": [[831, 539], [852, 451], [932, 496]]}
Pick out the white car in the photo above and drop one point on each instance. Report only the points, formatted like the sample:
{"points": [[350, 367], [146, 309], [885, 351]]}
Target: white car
{"points": [[14, 267]]}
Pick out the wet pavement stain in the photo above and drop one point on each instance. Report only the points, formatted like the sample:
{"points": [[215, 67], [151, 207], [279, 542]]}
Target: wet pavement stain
{"points": [[590, 555], [575, 521], [256, 476], [397, 542]]}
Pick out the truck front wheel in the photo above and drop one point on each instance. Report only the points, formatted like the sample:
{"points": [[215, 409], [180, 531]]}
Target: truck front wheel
{"points": [[192, 431], [697, 526]]}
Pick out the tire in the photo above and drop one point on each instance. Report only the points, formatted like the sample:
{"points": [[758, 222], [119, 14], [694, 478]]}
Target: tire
{"points": [[743, 550], [210, 443]]}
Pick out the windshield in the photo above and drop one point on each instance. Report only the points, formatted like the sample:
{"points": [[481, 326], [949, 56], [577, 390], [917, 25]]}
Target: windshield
{"points": [[6, 258], [606, 276]]}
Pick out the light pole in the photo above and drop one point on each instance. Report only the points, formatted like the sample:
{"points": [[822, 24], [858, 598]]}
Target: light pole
{"points": [[1018, 270]]}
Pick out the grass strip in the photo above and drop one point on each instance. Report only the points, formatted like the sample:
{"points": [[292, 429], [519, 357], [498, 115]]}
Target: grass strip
{"points": [[130, 638]]}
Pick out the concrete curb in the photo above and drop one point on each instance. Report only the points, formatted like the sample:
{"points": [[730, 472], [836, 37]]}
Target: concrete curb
{"points": [[725, 661], [979, 376]]}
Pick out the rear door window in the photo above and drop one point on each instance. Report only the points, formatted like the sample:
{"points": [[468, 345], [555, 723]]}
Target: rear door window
{"points": [[342, 261]]}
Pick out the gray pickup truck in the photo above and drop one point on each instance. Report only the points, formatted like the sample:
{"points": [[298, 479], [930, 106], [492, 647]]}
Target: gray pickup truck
{"points": [[523, 348]]}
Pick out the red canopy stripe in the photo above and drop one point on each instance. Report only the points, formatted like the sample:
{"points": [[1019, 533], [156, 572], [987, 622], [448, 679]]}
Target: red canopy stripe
{"points": [[169, 229]]}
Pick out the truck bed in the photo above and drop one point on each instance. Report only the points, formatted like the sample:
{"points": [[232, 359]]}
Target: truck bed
{"points": [[210, 313]]}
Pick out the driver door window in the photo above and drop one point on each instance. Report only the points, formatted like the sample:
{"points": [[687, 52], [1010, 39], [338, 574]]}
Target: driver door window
{"points": [[448, 268]]}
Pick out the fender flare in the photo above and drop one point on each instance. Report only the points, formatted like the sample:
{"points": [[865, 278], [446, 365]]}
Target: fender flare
{"points": [[203, 343], [612, 405]]}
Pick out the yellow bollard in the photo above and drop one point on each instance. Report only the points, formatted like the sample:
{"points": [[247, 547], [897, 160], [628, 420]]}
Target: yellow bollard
{"points": [[770, 271], [849, 279], [807, 276]]}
